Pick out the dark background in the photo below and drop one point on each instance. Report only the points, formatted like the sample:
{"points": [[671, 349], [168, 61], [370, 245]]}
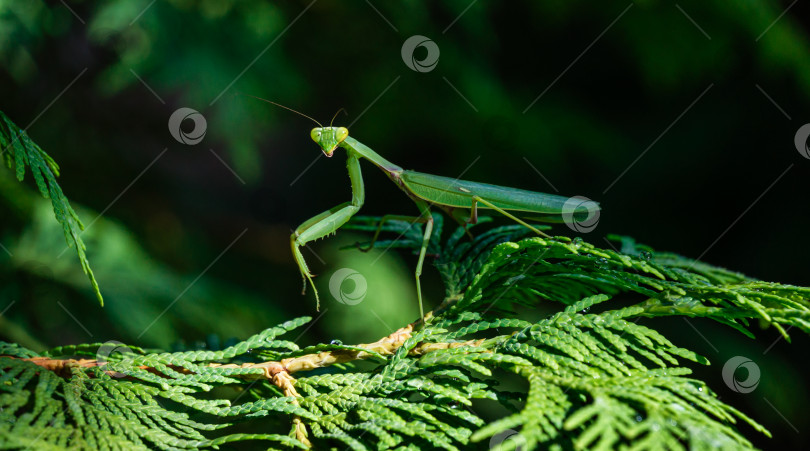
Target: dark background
{"points": [[678, 117]]}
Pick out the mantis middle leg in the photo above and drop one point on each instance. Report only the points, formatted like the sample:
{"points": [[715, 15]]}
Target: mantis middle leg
{"points": [[383, 220], [328, 222], [426, 218], [461, 218]]}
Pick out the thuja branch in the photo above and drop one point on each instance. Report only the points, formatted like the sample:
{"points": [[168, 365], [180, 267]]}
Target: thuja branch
{"points": [[596, 376], [278, 371]]}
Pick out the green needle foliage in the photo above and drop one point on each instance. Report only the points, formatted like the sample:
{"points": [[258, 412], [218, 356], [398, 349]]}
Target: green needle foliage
{"points": [[19, 152], [123, 404], [584, 374]]}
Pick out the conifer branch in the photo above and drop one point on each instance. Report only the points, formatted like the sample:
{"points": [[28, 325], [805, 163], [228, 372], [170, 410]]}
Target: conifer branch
{"points": [[595, 376]]}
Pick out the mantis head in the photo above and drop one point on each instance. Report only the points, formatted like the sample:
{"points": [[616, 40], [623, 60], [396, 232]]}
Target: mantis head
{"points": [[329, 138]]}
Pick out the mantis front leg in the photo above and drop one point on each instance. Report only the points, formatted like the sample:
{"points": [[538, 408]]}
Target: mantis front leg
{"points": [[328, 222]]}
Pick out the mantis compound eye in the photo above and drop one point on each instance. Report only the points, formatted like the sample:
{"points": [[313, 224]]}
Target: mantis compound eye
{"points": [[315, 134], [342, 133]]}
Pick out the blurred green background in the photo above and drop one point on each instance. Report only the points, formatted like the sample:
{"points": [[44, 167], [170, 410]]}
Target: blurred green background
{"points": [[678, 117]]}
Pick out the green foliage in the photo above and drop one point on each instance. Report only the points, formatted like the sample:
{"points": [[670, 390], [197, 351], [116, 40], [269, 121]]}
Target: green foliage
{"points": [[19, 152], [121, 405], [574, 135], [586, 375]]}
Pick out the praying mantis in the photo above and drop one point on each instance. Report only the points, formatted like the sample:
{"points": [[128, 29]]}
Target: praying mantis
{"points": [[458, 198]]}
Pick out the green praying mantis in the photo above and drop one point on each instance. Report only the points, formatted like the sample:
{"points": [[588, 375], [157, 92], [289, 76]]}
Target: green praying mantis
{"points": [[458, 198]]}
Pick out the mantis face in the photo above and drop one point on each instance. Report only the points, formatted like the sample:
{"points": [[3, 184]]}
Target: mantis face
{"points": [[329, 138]]}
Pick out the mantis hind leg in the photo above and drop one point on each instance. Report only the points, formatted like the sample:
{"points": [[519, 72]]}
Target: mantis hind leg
{"points": [[477, 199]]}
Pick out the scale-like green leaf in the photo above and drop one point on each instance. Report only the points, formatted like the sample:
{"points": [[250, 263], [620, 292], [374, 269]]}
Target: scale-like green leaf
{"points": [[19, 152]]}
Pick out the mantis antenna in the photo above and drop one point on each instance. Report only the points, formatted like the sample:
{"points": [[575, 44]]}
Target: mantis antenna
{"points": [[336, 114], [288, 108]]}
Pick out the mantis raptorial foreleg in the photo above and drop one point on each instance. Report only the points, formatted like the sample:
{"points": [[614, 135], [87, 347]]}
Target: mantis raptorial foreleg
{"points": [[328, 222], [310, 226]]}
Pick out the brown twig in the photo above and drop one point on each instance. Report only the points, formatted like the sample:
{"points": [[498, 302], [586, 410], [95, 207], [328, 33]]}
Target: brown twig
{"points": [[280, 372]]}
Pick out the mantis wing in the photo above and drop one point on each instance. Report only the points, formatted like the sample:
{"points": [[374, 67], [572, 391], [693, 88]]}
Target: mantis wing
{"points": [[459, 194]]}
